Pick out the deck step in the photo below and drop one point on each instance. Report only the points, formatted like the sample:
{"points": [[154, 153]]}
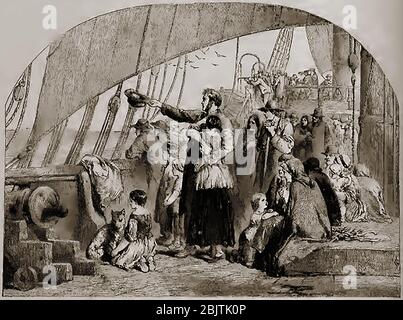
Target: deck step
{"points": [[64, 272], [85, 267], [337, 262], [381, 257], [15, 231]]}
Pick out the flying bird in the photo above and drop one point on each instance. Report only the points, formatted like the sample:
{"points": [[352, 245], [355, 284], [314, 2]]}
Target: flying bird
{"points": [[174, 65], [190, 61], [215, 64], [199, 57], [205, 50], [220, 55], [194, 67]]}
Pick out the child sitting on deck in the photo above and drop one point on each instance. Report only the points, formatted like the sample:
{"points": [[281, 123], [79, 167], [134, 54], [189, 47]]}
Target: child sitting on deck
{"points": [[137, 248], [260, 213]]}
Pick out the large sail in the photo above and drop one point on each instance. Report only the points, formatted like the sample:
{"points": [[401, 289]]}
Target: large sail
{"points": [[102, 52], [320, 39]]}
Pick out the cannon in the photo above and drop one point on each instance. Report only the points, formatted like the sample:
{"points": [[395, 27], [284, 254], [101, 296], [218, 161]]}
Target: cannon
{"points": [[39, 207], [30, 216]]}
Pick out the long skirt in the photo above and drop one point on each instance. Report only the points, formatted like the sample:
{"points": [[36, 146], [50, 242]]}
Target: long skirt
{"points": [[136, 251], [212, 220], [355, 208]]}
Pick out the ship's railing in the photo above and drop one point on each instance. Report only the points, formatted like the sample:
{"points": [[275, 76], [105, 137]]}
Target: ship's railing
{"points": [[319, 93], [25, 157]]}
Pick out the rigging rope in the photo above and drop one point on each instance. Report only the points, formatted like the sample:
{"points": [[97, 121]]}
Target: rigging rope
{"points": [[278, 61], [179, 61], [54, 143], [156, 75], [12, 93], [281, 52], [174, 79], [124, 134], [235, 73], [164, 76], [79, 139], [183, 82], [156, 72], [24, 106], [10, 105], [113, 106], [20, 86], [16, 109], [150, 78]]}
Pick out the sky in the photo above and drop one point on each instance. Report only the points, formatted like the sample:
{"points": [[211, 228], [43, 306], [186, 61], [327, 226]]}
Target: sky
{"points": [[23, 36], [379, 28], [205, 69]]}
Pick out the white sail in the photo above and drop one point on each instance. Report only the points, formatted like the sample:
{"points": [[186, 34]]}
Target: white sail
{"points": [[102, 52], [320, 39]]}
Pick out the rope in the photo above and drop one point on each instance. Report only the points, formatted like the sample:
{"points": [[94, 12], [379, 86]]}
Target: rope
{"points": [[288, 50], [274, 53], [82, 132], [113, 106], [10, 105], [281, 52], [11, 94], [174, 79], [179, 60], [124, 134], [24, 107], [8, 122], [147, 94], [183, 82], [235, 73], [156, 74], [164, 76], [21, 84], [54, 143]]}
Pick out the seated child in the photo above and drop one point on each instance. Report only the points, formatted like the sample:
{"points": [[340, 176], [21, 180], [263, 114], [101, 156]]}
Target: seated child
{"points": [[260, 213], [137, 248]]}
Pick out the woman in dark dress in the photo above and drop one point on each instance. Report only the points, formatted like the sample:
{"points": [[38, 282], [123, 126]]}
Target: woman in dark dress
{"points": [[302, 139], [307, 209], [212, 221], [312, 168]]}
